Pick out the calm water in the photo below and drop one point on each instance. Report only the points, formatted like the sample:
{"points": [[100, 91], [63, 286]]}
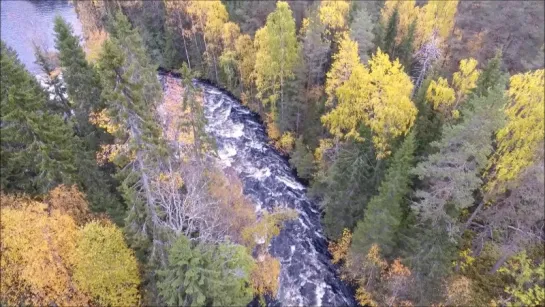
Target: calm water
{"points": [[25, 21]]}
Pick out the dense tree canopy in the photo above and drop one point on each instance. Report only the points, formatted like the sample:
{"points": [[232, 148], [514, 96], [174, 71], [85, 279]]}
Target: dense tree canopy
{"points": [[418, 126]]}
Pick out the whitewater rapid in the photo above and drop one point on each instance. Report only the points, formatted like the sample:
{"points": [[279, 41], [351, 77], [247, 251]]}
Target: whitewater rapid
{"points": [[307, 276]]}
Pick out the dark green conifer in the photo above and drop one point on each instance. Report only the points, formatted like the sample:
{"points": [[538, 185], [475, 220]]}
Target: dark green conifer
{"points": [[37, 147], [384, 212]]}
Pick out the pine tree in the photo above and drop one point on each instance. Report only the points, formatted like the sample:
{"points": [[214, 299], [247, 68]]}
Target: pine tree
{"points": [[428, 123], [84, 90], [383, 214], [461, 156], [82, 82], [37, 146]]}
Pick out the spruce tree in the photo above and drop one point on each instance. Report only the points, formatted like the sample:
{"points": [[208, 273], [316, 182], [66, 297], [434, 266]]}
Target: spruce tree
{"points": [[51, 79], [383, 214], [82, 82], [348, 186], [206, 275], [390, 33], [131, 92], [37, 147], [490, 76], [302, 159], [406, 48]]}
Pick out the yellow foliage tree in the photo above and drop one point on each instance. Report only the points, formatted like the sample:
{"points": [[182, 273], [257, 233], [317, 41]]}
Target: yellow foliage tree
{"points": [[69, 200], [339, 249], [209, 17], [268, 226], [465, 79], [106, 268], [246, 59], [47, 260], [441, 95], [286, 142], [238, 211], [277, 53], [522, 136], [37, 250], [333, 13], [378, 97], [264, 276], [436, 16], [446, 99], [344, 62]]}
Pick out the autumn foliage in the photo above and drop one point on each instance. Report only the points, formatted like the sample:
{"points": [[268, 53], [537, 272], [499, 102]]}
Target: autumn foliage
{"points": [[48, 259]]}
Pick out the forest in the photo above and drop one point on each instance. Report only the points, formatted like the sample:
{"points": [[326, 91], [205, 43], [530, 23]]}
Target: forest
{"points": [[417, 127]]}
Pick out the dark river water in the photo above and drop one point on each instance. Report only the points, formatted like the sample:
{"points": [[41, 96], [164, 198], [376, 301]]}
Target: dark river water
{"points": [[26, 21]]}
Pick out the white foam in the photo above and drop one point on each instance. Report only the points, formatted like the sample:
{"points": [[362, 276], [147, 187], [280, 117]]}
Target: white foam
{"points": [[227, 151], [320, 291], [261, 174], [290, 183], [232, 131]]}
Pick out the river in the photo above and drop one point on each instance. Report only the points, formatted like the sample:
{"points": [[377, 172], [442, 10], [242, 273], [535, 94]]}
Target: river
{"points": [[307, 277], [26, 21]]}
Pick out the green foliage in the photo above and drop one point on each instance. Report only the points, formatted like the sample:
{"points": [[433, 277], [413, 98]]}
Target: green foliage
{"points": [[361, 31], [389, 40], [490, 76], [406, 48], [462, 155], [528, 287], [302, 159], [131, 91], [347, 186], [37, 147], [84, 91], [428, 123], [383, 214], [205, 274], [82, 82]]}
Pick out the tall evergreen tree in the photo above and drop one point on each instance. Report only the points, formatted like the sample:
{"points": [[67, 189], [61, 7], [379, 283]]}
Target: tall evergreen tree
{"points": [[390, 33], [82, 82], [51, 79], [406, 48], [461, 156], [206, 275], [383, 214], [302, 159], [361, 31], [449, 178], [428, 123], [348, 186], [37, 147], [490, 76], [131, 91]]}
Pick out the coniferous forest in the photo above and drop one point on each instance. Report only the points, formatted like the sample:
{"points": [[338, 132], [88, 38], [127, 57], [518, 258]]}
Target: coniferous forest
{"points": [[417, 128]]}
